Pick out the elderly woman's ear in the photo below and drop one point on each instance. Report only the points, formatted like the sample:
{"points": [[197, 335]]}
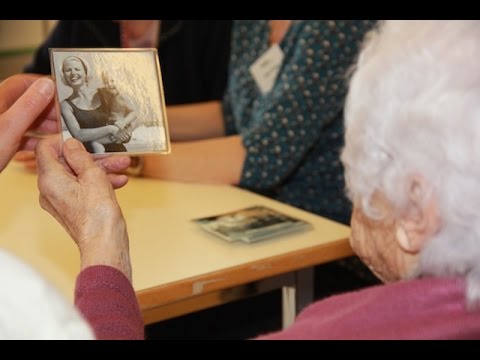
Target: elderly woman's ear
{"points": [[421, 219]]}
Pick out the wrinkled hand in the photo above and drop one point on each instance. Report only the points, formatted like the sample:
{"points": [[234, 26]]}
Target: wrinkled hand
{"points": [[25, 104], [78, 193]]}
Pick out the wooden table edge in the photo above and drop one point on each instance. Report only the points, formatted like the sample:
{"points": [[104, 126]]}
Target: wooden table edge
{"points": [[160, 296]]}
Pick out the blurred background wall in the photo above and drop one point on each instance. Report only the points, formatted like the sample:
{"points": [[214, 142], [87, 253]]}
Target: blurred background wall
{"points": [[18, 41]]}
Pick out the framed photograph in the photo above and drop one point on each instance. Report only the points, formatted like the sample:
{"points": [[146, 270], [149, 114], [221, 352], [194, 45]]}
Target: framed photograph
{"points": [[111, 100], [251, 224]]}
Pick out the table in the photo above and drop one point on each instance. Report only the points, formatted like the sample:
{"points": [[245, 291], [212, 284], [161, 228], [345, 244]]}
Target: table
{"points": [[177, 267]]}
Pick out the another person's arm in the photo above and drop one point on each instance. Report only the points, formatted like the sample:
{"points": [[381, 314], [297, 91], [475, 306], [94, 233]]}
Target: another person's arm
{"points": [[217, 161], [104, 293], [195, 121], [283, 128], [214, 158]]}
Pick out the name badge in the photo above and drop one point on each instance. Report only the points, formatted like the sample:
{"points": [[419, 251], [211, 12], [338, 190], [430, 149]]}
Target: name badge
{"points": [[265, 69]]}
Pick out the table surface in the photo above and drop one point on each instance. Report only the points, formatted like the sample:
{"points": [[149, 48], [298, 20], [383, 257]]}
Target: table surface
{"points": [[172, 257]]}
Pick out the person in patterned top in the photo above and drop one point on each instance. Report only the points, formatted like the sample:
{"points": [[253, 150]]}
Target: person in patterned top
{"points": [[284, 143]]}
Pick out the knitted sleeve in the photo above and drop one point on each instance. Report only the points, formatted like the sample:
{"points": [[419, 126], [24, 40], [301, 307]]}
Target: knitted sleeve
{"points": [[107, 301]]}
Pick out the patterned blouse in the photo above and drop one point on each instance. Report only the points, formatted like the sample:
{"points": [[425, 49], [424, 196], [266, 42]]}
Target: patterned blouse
{"points": [[294, 134]]}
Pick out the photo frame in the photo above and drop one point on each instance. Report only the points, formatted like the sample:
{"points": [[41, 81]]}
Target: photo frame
{"points": [[252, 224], [111, 100]]}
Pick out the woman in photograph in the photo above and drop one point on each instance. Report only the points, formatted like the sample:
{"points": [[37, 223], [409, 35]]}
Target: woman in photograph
{"points": [[84, 115]]}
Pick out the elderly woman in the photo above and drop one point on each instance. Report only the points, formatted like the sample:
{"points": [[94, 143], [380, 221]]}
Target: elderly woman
{"points": [[412, 171]]}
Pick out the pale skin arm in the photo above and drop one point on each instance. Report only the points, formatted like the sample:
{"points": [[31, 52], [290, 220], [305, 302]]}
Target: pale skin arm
{"points": [[196, 121], [100, 231], [217, 161], [129, 109], [83, 134]]}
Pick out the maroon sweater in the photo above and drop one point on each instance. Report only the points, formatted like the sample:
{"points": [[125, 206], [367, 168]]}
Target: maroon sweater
{"points": [[107, 301], [429, 308]]}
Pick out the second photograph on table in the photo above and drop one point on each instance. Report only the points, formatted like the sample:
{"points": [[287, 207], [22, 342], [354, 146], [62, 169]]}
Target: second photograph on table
{"points": [[252, 224]]}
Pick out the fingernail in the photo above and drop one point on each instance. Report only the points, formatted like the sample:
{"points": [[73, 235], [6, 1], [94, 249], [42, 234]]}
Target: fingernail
{"points": [[72, 144], [45, 86]]}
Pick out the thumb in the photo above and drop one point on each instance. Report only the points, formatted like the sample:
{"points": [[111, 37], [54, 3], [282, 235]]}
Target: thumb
{"points": [[79, 159], [27, 108]]}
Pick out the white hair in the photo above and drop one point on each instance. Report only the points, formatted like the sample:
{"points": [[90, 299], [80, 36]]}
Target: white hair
{"points": [[413, 107]]}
